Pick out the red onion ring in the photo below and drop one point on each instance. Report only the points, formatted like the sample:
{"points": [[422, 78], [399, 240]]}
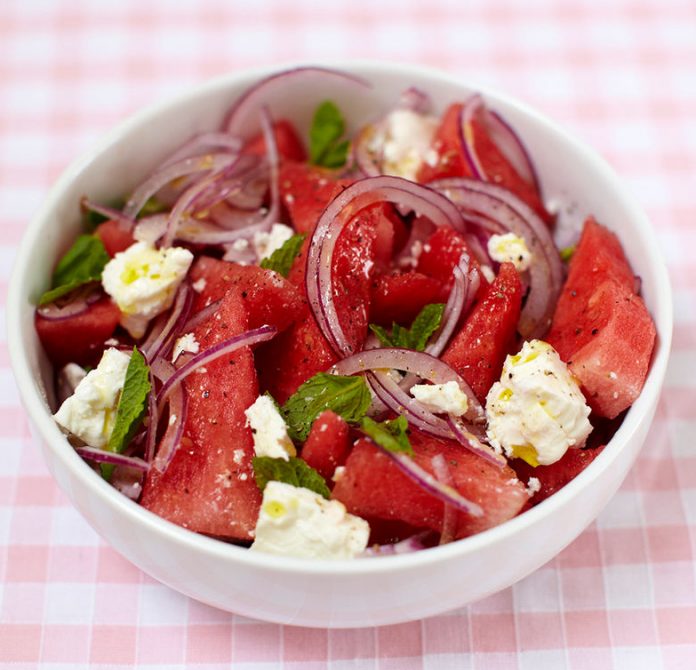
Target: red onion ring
{"points": [[507, 210], [109, 213], [112, 458], [415, 100], [423, 365], [153, 423], [407, 546], [177, 317], [74, 303], [201, 316], [202, 143], [178, 411], [248, 338], [162, 369], [211, 163], [467, 439], [246, 109], [337, 215], [449, 518], [426, 481]]}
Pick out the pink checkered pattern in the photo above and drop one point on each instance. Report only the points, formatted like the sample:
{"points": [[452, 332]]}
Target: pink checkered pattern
{"points": [[621, 74]]}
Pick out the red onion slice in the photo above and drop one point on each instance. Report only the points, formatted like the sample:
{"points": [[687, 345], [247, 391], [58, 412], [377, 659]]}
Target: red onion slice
{"points": [[162, 369], [176, 319], [199, 317], [243, 117], [152, 424], [168, 173], [203, 143], [112, 458], [421, 364], [426, 481], [407, 546], [467, 439], [501, 133], [337, 215], [171, 440], [74, 303], [506, 209], [449, 518], [415, 100], [109, 213], [250, 337]]}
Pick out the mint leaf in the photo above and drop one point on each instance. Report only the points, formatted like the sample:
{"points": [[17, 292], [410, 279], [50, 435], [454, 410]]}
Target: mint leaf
{"points": [[416, 338], [392, 435], [325, 145], [349, 397], [132, 406], [281, 260], [294, 472], [82, 263]]}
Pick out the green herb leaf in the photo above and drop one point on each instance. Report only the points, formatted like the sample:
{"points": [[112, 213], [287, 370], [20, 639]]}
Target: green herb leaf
{"points": [[325, 145], [152, 206], [92, 219], [392, 435], [83, 263], [281, 260], [349, 397], [294, 472], [416, 338], [132, 406], [567, 253]]}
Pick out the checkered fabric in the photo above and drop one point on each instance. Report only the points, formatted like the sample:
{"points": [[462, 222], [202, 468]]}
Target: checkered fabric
{"points": [[620, 74]]}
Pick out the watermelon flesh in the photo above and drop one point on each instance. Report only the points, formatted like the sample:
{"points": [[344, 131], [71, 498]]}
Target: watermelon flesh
{"points": [[327, 445], [601, 328], [115, 236], [209, 485], [373, 486], [477, 352], [269, 298], [287, 140], [401, 296]]}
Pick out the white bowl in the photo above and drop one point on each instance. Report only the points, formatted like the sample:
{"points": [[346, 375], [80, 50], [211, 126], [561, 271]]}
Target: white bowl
{"points": [[304, 592]]}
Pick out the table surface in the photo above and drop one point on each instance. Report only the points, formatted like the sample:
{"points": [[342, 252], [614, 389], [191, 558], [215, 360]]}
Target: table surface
{"points": [[620, 75]]}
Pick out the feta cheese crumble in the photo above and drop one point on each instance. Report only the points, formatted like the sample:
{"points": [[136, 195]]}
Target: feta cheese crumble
{"points": [[90, 412], [510, 248], [405, 142], [441, 398], [297, 522], [185, 344], [266, 243], [269, 430], [536, 411], [143, 280]]}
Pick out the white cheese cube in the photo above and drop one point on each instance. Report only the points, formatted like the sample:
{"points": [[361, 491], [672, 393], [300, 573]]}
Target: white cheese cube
{"points": [[90, 413], [297, 522], [536, 411], [143, 280], [510, 248], [269, 430], [445, 398]]}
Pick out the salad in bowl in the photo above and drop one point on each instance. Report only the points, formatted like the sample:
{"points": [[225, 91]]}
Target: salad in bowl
{"points": [[341, 327]]}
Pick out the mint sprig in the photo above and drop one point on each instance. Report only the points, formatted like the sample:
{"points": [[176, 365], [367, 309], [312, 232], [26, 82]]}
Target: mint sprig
{"points": [[132, 406], [348, 397], [416, 337], [82, 263], [281, 260], [294, 471], [326, 148], [392, 434]]}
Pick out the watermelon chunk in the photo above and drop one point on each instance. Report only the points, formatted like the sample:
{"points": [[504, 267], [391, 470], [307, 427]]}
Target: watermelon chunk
{"points": [[209, 485], [80, 338], [327, 444], [555, 476], [269, 298], [373, 486], [115, 236], [289, 144], [401, 296], [477, 352], [601, 328], [452, 160], [441, 253]]}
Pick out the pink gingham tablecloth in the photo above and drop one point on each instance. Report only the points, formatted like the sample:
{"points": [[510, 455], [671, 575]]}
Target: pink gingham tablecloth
{"points": [[621, 75]]}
